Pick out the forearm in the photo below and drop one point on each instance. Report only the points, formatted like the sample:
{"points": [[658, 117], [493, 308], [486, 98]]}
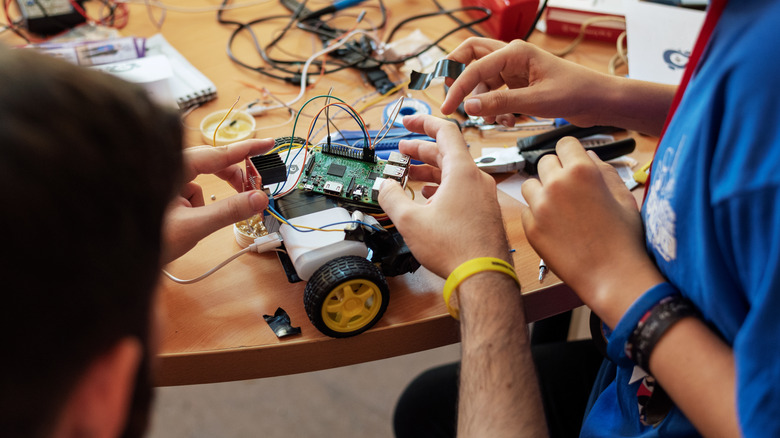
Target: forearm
{"points": [[693, 365], [697, 370], [499, 393], [635, 105]]}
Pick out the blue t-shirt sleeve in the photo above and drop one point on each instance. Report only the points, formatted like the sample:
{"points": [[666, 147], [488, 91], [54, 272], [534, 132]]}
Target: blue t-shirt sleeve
{"points": [[752, 234]]}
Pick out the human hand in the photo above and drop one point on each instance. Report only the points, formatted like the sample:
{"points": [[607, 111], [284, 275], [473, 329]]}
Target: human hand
{"points": [[585, 223], [519, 77], [188, 218], [461, 219]]}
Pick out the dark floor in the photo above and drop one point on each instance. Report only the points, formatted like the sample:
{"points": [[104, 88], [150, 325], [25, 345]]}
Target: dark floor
{"points": [[354, 401], [351, 401]]}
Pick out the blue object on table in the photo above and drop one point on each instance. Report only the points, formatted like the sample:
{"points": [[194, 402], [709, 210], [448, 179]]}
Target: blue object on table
{"points": [[383, 148]]}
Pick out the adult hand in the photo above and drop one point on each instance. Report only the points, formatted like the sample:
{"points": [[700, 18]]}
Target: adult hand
{"points": [[188, 218], [461, 219], [519, 77], [585, 223]]}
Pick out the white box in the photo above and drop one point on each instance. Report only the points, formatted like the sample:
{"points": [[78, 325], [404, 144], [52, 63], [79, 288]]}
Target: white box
{"points": [[660, 39], [309, 251]]}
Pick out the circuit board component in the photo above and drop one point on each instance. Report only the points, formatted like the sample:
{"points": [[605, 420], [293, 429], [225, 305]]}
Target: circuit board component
{"points": [[350, 179]]}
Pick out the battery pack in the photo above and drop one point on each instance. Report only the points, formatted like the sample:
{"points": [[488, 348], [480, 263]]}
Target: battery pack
{"points": [[49, 17]]}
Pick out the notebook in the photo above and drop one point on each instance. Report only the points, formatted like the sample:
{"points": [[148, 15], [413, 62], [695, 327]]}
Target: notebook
{"points": [[188, 85], [126, 57]]}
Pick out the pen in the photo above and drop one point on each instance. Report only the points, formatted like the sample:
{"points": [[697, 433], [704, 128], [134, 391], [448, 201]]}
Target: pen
{"points": [[542, 269], [336, 6]]}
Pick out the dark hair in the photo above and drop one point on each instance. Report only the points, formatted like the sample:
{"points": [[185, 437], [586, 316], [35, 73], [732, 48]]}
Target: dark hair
{"points": [[88, 165]]}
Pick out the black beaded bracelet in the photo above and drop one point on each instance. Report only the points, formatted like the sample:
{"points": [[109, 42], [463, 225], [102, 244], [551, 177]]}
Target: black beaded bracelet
{"points": [[653, 325]]}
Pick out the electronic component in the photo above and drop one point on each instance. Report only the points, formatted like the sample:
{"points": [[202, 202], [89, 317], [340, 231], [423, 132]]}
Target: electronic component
{"points": [[332, 188], [309, 165], [336, 169], [357, 177], [393, 171], [48, 17], [379, 79], [375, 188], [398, 159], [365, 154], [270, 167]]}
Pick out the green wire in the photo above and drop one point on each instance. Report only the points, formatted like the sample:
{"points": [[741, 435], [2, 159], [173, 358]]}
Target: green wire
{"points": [[322, 96]]}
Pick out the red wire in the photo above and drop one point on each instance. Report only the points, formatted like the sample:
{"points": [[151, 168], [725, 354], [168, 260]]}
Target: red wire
{"points": [[80, 10], [120, 15], [15, 29]]}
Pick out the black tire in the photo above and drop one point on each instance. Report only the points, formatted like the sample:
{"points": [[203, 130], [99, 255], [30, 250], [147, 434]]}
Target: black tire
{"points": [[349, 275]]}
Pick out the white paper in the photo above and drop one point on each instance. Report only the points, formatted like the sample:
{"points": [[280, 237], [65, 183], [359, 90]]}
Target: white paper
{"points": [[660, 39]]}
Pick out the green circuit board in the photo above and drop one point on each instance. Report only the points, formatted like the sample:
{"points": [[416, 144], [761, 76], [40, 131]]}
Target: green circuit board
{"points": [[349, 179]]}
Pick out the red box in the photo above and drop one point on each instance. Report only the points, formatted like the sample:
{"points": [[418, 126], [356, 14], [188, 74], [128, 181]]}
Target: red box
{"points": [[511, 19], [568, 22]]}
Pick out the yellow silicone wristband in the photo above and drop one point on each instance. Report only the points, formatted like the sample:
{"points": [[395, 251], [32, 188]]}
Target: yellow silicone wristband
{"points": [[469, 268]]}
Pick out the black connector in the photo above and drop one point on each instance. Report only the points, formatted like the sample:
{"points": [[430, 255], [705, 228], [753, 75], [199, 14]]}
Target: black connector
{"points": [[296, 80], [379, 79]]}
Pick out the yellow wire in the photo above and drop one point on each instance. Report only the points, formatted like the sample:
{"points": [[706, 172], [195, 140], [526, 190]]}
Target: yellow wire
{"points": [[381, 97], [278, 148], [214, 139], [412, 191], [298, 226]]}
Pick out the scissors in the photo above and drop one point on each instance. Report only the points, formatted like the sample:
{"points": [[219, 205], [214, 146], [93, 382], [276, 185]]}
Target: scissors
{"points": [[530, 149]]}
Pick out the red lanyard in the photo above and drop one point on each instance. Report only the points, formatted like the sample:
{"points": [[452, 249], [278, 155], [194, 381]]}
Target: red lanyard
{"points": [[713, 14]]}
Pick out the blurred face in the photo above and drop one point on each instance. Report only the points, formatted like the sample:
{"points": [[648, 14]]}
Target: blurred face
{"points": [[141, 404]]}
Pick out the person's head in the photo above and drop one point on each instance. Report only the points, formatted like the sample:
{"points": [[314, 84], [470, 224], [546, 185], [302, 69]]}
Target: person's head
{"points": [[88, 165]]}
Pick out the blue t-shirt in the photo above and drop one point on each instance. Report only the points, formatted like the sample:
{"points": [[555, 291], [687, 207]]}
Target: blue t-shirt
{"points": [[712, 220]]}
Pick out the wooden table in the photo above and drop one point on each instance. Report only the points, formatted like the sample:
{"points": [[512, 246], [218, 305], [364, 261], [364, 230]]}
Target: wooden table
{"points": [[214, 330]]}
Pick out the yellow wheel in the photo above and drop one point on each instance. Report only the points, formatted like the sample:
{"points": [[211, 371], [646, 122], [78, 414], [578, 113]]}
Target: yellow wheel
{"points": [[346, 297]]}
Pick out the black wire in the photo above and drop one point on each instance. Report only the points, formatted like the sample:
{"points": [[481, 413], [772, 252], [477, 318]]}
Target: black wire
{"points": [[380, 62], [274, 63], [247, 26], [486, 11], [457, 20], [14, 29], [109, 19], [536, 20], [329, 33]]}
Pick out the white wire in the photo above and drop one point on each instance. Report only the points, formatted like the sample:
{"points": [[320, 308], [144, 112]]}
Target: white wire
{"points": [[210, 271], [390, 120], [161, 5], [279, 125], [257, 110]]}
